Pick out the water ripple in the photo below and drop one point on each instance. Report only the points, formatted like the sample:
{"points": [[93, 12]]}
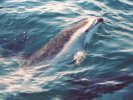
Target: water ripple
{"points": [[28, 25]]}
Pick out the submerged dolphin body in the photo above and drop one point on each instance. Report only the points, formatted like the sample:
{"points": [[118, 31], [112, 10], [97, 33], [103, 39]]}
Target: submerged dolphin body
{"points": [[69, 42]]}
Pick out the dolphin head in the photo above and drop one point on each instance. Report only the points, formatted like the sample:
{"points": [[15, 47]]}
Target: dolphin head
{"points": [[91, 27], [93, 22]]}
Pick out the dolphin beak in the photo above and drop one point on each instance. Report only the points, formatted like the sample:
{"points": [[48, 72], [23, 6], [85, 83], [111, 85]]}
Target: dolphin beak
{"points": [[99, 20]]}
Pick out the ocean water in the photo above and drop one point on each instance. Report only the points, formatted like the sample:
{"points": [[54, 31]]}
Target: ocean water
{"points": [[105, 74]]}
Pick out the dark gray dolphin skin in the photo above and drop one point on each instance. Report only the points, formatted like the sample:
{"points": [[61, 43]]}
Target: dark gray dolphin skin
{"points": [[65, 41]]}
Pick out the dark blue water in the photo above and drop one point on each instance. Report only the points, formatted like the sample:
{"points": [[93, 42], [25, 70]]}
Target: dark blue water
{"points": [[106, 73]]}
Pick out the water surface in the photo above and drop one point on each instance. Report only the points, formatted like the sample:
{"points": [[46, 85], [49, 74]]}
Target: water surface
{"points": [[106, 73]]}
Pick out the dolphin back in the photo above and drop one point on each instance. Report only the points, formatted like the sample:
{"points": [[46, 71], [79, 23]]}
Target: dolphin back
{"points": [[55, 45]]}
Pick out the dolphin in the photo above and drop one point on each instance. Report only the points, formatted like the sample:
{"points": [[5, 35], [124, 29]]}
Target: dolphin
{"points": [[69, 43]]}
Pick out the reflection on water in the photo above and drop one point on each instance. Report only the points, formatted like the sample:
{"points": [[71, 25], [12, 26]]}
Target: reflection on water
{"points": [[105, 74]]}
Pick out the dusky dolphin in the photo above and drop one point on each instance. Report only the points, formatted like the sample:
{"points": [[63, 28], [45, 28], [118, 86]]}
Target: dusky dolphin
{"points": [[68, 43]]}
